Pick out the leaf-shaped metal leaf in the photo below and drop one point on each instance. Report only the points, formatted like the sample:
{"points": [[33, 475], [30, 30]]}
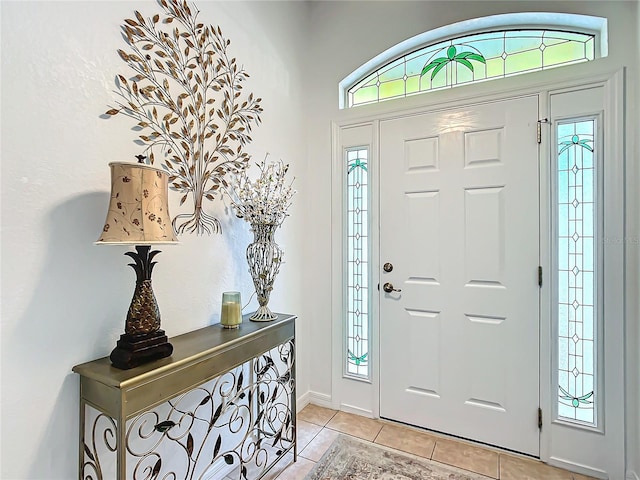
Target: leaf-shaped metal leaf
{"points": [[189, 444], [88, 452], [217, 414], [164, 426], [277, 437], [216, 449], [156, 468], [240, 379], [228, 458]]}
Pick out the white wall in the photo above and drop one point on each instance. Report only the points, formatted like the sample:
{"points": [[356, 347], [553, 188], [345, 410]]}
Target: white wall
{"points": [[360, 31], [64, 300]]}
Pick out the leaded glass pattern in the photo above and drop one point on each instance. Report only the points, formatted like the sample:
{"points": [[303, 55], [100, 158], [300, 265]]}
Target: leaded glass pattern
{"points": [[357, 258], [577, 259], [472, 58]]}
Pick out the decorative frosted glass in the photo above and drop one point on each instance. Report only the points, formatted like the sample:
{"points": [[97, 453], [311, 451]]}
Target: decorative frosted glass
{"points": [[357, 257], [576, 227], [472, 58]]}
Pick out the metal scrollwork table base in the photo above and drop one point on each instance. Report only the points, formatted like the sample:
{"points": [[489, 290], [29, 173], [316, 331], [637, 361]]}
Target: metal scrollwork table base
{"points": [[223, 405]]}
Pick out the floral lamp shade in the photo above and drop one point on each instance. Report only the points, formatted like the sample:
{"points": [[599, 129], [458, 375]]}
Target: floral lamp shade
{"points": [[138, 210]]}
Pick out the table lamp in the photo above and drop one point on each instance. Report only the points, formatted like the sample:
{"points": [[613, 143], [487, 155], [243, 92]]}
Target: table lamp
{"points": [[139, 216]]}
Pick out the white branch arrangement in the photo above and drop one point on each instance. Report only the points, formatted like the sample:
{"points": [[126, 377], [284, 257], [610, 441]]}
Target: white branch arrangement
{"points": [[266, 200]]}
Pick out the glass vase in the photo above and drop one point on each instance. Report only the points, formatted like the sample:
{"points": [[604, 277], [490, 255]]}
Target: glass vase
{"points": [[264, 257]]}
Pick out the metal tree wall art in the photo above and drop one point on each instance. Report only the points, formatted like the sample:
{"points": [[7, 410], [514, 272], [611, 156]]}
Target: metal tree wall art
{"points": [[187, 101]]}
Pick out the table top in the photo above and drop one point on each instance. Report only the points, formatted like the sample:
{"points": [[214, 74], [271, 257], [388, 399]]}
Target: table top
{"points": [[187, 348]]}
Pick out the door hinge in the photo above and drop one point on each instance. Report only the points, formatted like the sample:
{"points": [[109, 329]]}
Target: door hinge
{"points": [[539, 418], [539, 129], [539, 276]]}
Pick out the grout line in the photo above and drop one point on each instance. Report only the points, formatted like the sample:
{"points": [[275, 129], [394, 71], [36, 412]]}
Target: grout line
{"points": [[433, 450], [309, 442], [332, 417], [377, 434]]}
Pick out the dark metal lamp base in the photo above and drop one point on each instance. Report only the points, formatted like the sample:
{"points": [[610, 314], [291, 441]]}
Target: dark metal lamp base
{"points": [[135, 350]]}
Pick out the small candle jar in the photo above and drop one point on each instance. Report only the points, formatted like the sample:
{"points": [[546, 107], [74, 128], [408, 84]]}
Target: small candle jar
{"points": [[231, 314]]}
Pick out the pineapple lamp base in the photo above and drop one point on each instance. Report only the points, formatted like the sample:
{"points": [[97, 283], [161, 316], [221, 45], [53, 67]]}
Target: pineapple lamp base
{"points": [[143, 340]]}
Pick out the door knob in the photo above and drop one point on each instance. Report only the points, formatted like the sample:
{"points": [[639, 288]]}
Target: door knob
{"points": [[388, 287]]}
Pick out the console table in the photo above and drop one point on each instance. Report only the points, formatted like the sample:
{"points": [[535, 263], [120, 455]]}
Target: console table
{"points": [[224, 404]]}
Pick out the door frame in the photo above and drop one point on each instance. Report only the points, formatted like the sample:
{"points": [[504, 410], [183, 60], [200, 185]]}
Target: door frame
{"points": [[362, 397]]}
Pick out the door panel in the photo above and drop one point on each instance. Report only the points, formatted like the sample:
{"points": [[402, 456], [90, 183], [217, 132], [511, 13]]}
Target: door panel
{"points": [[459, 221]]}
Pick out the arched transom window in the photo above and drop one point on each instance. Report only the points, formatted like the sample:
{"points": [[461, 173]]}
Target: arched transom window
{"points": [[472, 57]]}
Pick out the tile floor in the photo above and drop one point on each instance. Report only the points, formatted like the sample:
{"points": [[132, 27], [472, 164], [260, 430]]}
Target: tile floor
{"points": [[318, 427]]}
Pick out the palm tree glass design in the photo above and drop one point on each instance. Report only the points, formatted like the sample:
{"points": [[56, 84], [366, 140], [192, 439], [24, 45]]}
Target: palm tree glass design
{"points": [[471, 58]]}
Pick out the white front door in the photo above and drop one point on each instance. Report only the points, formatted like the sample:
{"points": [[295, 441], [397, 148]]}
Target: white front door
{"points": [[459, 225]]}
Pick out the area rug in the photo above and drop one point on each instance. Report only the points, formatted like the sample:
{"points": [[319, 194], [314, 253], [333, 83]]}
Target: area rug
{"points": [[351, 459]]}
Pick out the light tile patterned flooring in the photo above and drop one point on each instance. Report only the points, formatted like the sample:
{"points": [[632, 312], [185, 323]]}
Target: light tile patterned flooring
{"points": [[318, 427]]}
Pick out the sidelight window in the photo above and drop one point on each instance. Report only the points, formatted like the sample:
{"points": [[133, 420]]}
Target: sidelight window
{"points": [[357, 262], [577, 272]]}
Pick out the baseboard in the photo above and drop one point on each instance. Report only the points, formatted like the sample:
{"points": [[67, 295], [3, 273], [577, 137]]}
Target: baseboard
{"points": [[578, 468], [632, 476], [320, 399], [356, 410], [302, 401]]}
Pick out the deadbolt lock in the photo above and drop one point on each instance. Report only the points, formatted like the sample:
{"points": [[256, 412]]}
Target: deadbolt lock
{"points": [[387, 267]]}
